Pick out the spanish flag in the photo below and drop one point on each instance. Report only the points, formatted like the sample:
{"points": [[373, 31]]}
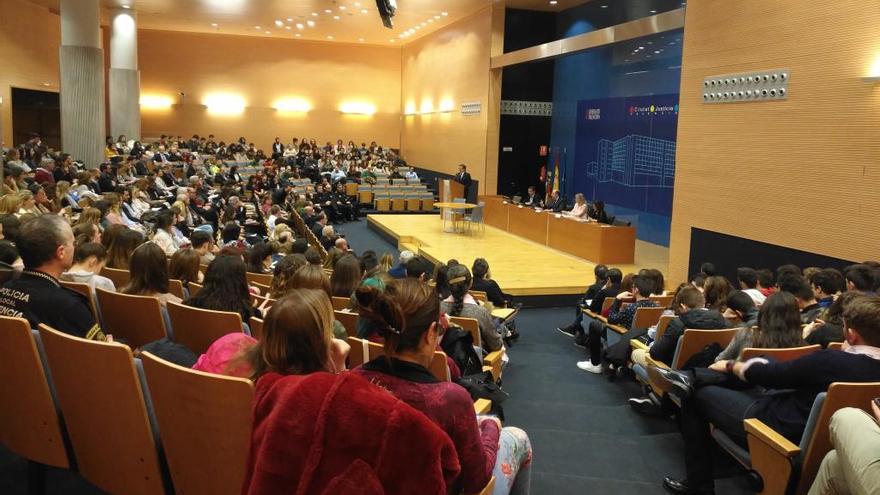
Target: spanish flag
{"points": [[555, 185]]}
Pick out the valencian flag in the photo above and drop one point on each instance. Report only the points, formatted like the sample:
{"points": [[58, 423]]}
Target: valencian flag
{"points": [[555, 185]]}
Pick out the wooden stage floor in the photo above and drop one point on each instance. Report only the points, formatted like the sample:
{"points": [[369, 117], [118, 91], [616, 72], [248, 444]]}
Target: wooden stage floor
{"points": [[521, 267]]}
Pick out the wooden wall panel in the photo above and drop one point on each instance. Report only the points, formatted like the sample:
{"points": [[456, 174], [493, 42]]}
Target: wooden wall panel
{"points": [[801, 173]]}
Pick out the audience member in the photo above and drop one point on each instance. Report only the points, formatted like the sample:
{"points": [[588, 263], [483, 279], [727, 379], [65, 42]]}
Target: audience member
{"points": [[461, 303], [88, 260], [483, 282], [149, 274], [748, 283], [779, 327], [225, 288]]}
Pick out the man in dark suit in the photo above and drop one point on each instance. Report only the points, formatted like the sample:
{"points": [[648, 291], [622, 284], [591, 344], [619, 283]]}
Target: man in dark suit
{"points": [[106, 183], [463, 178], [277, 149], [533, 199], [556, 203]]}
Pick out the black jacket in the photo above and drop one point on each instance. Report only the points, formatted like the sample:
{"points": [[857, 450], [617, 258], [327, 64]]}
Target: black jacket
{"points": [[557, 205], [599, 298], [704, 319], [41, 299], [492, 290]]}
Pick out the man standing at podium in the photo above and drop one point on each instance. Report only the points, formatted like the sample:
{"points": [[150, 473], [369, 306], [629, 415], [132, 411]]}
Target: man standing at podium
{"points": [[464, 178]]}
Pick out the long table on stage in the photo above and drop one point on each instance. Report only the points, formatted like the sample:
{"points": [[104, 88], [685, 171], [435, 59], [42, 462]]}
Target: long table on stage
{"points": [[591, 241]]}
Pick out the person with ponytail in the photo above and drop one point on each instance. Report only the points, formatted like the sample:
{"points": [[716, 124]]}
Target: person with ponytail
{"points": [[461, 303], [406, 316]]}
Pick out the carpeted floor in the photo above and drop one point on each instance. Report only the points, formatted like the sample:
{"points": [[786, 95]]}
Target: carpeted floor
{"points": [[584, 436]]}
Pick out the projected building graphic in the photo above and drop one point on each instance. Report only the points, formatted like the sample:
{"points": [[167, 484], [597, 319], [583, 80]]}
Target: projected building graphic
{"points": [[634, 161]]}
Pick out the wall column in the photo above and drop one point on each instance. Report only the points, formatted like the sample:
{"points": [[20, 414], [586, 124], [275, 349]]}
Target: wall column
{"points": [[124, 84], [81, 62]]}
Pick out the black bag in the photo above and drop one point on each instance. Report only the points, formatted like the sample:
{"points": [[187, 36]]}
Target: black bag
{"points": [[704, 358], [459, 345], [619, 353], [482, 386]]}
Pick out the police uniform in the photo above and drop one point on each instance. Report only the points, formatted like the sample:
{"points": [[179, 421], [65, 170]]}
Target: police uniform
{"points": [[39, 298], [331, 210], [343, 205]]}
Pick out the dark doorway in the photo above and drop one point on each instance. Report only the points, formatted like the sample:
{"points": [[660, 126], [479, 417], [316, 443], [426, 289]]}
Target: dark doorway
{"points": [[36, 111]]}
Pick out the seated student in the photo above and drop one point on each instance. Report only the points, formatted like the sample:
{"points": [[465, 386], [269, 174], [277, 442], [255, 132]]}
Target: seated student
{"points": [[860, 278], [797, 286], [260, 258], [532, 198], [121, 245], [779, 326], [202, 243], [185, 266], [741, 309], [642, 287], [557, 203], [164, 236], [46, 248], [149, 274], [828, 327], [748, 283], [407, 319], [226, 289], [415, 268], [461, 303], [303, 411], [346, 276], [88, 260], [791, 387], [716, 290], [852, 467], [826, 284], [399, 271], [10, 261], [483, 282], [689, 306], [766, 282], [579, 210]]}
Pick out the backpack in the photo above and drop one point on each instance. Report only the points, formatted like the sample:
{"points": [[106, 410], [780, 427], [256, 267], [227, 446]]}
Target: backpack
{"points": [[459, 345]]}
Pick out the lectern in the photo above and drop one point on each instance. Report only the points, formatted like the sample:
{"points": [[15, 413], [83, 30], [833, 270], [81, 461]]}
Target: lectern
{"points": [[449, 190]]}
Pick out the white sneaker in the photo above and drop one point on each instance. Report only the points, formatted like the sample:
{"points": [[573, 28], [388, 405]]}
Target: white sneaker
{"points": [[589, 366]]}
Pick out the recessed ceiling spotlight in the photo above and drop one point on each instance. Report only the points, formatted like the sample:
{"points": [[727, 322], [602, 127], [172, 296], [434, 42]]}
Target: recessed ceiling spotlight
{"points": [[423, 24], [268, 32], [361, 40], [213, 24], [430, 20], [436, 17], [335, 17], [653, 11], [297, 35], [417, 28], [299, 25], [279, 22], [257, 27], [364, 11], [357, 4], [391, 40], [342, 7], [641, 48], [311, 24], [328, 11], [329, 37], [553, 2], [287, 27], [444, 14], [656, 51], [604, 6], [314, 14], [290, 19]]}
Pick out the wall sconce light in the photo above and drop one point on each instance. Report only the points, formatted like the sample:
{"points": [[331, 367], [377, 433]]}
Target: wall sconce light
{"points": [[357, 108], [874, 73], [410, 108], [446, 106], [224, 104], [155, 102], [292, 105], [427, 107]]}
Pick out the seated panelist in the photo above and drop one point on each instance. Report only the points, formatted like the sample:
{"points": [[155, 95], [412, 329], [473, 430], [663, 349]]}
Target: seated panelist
{"points": [[533, 199], [579, 210]]}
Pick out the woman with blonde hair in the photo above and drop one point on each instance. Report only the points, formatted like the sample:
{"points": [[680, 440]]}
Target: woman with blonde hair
{"points": [[386, 262], [580, 207], [90, 215], [282, 239], [10, 204]]}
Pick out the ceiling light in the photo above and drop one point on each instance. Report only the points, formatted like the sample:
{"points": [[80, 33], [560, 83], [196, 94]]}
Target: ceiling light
{"points": [[328, 11], [417, 28], [641, 48], [335, 17], [292, 105], [342, 7], [444, 14], [361, 40], [656, 51], [653, 11], [430, 20], [311, 23], [299, 25], [213, 24], [257, 27], [363, 11], [604, 6], [315, 14], [392, 40], [279, 22], [553, 2], [329, 37], [436, 17], [268, 32], [224, 103], [126, 6], [423, 24], [357, 4], [287, 27], [290, 19], [297, 35]]}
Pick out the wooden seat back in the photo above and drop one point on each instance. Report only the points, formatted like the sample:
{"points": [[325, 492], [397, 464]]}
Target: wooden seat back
{"points": [[693, 341], [176, 287], [358, 353], [348, 320], [205, 420], [120, 278], [780, 355], [479, 295], [471, 325], [29, 424], [136, 320], [85, 290], [340, 303], [607, 303], [194, 289], [440, 367], [835, 346], [647, 317], [198, 328], [264, 279], [256, 325], [662, 325], [105, 413], [662, 301]]}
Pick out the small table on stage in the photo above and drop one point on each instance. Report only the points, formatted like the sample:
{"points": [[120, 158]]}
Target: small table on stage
{"points": [[445, 214]]}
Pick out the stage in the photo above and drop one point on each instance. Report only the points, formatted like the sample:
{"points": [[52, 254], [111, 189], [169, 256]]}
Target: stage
{"points": [[520, 266]]}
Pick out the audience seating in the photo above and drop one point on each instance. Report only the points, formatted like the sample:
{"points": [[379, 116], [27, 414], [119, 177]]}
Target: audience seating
{"points": [[788, 354], [427, 201], [134, 320], [205, 420], [479, 295], [606, 305], [256, 326], [782, 464], [662, 301], [691, 342], [176, 287], [340, 303], [194, 289], [645, 317], [85, 290], [29, 423], [260, 279], [198, 328], [348, 320], [835, 346], [105, 412], [476, 217], [492, 359], [119, 277], [358, 353], [662, 325]]}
